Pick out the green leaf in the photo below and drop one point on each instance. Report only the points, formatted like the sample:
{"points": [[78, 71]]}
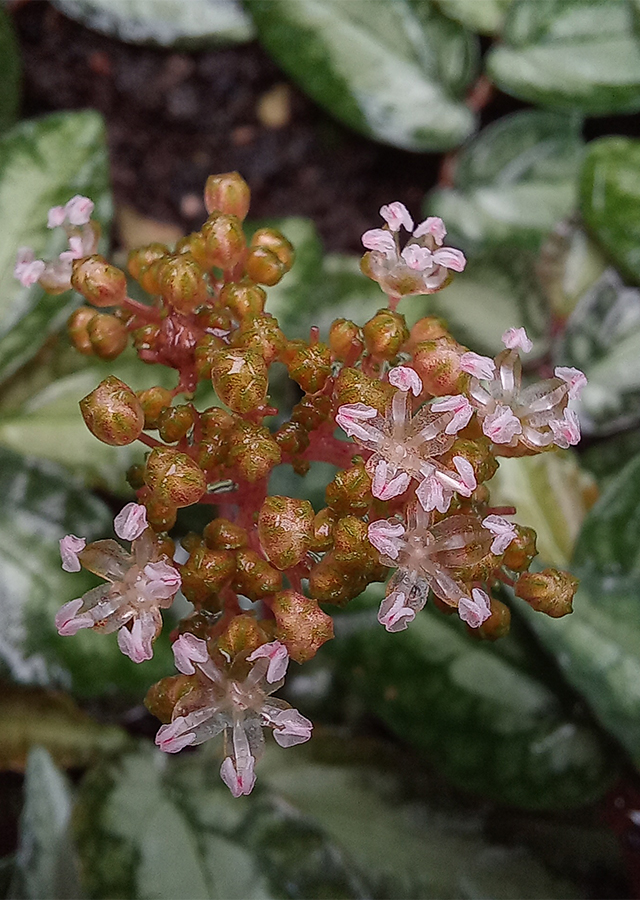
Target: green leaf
{"points": [[35, 716], [570, 54], [397, 76], [485, 16], [598, 645], [513, 182], [164, 22], [50, 423], [43, 162], [497, 290], [46, 867], [602, 338], [485, 714], [610, 200], [40, 505], [152, 827], [10, 72]]}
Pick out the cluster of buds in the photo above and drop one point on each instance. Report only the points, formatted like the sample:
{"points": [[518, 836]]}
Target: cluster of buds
{"points": [[413, 422]]}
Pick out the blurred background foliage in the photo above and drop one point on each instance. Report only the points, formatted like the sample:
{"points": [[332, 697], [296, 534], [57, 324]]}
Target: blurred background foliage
{"points": [[441, 767]]}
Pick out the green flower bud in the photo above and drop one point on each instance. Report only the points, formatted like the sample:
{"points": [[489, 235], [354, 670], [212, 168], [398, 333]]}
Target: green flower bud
{"points": [[113, 413]]}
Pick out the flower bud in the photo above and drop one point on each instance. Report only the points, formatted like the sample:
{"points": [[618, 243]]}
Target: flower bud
{"points": [[285, 530], [353, 386], [221, 534], [302, 626], [350, 490], [135, 476], [497, 625], [253, 451], [163, 696], [216, 421], [99, 282], [175, 476], [77, 327], [255, 577], [151, 277], [153, 400], [108, 336], [345, 340], [240, 379], [243, 298], [312, 411], [323, 525], [242, 635], [292, 438], [113, 413], [142, 257], [161, 512], [204, 352], [550, 591], [174, 422], [263, 266], [437, 363], [263, 335], [182, 283], [227, 193], [430, 328], [521, 551], [309, 365], [145, 338], [223, 242], [385, 334], [276, 242], [205, 573]]}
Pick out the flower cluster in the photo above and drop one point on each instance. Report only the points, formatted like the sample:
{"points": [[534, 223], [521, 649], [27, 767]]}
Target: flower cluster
{"points": [[425, 419]]}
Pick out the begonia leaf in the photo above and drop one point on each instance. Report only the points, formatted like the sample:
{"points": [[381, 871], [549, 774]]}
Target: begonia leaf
{"points": [[41, 503], [310, 829], [31, 716], [610, 200], [484, 714], [164, 22], [570, 54], [10, 72], [513, 182], [43, 163], [602, 338], [484, 16], [46, 865], [397, 76]]}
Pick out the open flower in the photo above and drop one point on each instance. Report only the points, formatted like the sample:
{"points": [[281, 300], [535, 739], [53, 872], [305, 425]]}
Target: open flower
{"points": [[427, 556], [407, 446], [421, 267], [139, 585], [535, 416], [238, 707], [55, 275]]}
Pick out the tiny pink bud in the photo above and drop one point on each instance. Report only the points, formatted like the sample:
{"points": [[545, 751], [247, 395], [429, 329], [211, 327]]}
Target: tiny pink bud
{"points": [[70, 546], [56, 216], [78, 210], [433, 226], [397, 215], [28, 270], [406, 379]]}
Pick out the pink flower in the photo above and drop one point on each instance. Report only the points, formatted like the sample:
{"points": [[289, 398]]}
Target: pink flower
{"points": [[476, 365], [461, 409], [476, 609], [418, 258], [566, 431], [394, 613], [56, 216], [70, 546], [388, 482], [238, 777], [78, 210], [28, 270], [504, 532], [384, 534], [137, 643], [67, 620], [449, 258], [290, 727], [172, 738], [278, 657], [352, 416], [516, 339], [396, 215], [576, 379], [406, 379], [131, 521], [501, 425], [434, 227], [381, 241], [439, 485], [187, 650]]}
